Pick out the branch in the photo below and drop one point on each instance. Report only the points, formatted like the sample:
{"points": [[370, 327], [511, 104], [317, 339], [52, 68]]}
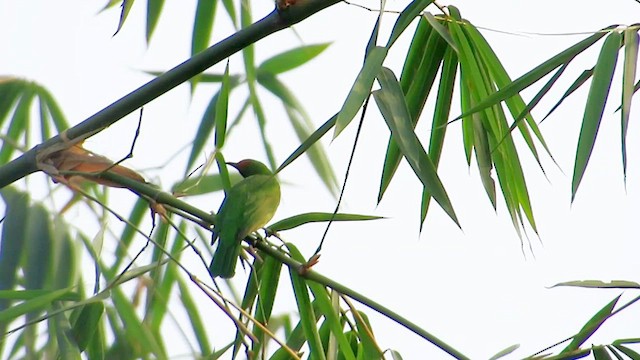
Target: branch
{"points": [[277, 20]]}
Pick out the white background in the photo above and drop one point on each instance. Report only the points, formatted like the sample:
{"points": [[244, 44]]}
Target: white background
{"points": [[477, 289]]}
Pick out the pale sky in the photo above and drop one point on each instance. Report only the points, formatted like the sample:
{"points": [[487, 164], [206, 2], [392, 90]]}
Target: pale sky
{"points": [[475, 289]]}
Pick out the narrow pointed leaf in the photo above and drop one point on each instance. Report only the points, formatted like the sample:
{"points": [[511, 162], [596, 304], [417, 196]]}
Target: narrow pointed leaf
{"points": [[370, 348], [596, 101], [577, 83], [17, 127], [154, 9], [406, 18], [302, 125], [87, 323], [440, 118], [124, 13], [332, 316], [441, 29], [537, 73], [614, 284], [195, 317], [203, 25], [305, 308], [310, 141], [629, 77], [416, 84], [57, 116], [632, 354], [591, 326], [360, 89], [394, 110], [222, 107], [268, 287], [292, 59], [200, 185], [312, 217]]}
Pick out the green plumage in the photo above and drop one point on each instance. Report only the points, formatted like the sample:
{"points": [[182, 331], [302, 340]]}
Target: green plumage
{"points": [[248, 206]]}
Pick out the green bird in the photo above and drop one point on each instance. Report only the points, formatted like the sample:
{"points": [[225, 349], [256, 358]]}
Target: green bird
{"points": [[248, 206]]}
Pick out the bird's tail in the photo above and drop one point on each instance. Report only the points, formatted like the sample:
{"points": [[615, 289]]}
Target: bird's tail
{"points": [[224, 262]]}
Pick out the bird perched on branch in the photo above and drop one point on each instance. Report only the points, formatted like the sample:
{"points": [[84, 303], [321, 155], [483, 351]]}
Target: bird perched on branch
{"points": [[248, 206]]}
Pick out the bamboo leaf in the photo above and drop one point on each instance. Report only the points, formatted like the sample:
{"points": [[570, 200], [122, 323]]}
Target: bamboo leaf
{"points": [[579, 81], [394, 110], [195, 317], [222, 107], [305, 309], [292, 59], [268, 287], [39, 252], [442, 30], [628, 78], [302, 126], [203, 25], [596, 101], [360, 89], [18, 125], [86, 325], [440, 117], [312, 217], [537, 73], [13, 243], [416, 81], [37, 304], [154, 9], [202, 184], [124, 13], [591, 326], [310, 141], [614, 284], [632, 354], [406, 17]]}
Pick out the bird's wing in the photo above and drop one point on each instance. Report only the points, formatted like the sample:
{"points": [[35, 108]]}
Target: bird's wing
{"points": [[261, 202]]}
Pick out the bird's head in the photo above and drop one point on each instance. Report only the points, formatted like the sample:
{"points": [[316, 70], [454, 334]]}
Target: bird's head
{"points": [[250, 167]]}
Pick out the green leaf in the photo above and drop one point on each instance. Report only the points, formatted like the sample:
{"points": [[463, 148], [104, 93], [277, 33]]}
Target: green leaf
{"points": [[591, 326], [18, 125], [628, 78], [302, 126], [537, 73], [600, 353], [577, 83], [305, 309], [365, 333], [441, 30], [632, 354], [417, 78], [201, 34], [195, 317], [596, 101], [39, 240], [222, 107], [440, 117], [505, 352], [10, 91], [291, 59], [87, 323], [124, 13], [614, 284], [310, 141], [406, 17], [394, 110], [154, 8], [361, 88], [306, 218], [202, 25], [332, 314], [67, 346], [13, 243], [268, 288], [37, 304]]}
